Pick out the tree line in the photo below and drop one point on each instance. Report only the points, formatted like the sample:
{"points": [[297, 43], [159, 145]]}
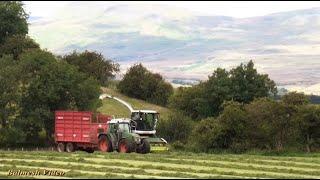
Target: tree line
{"points": [[237, 111]]}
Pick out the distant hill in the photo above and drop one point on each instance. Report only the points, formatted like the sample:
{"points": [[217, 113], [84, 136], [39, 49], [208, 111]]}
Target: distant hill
{"points": [[315, 99], [180, 44]]}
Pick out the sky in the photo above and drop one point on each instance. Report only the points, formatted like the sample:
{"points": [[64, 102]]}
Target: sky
{"points": [[237, 9]]}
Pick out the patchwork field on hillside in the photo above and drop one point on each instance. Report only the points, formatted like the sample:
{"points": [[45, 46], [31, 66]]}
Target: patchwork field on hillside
{"points": [[161, 165]]}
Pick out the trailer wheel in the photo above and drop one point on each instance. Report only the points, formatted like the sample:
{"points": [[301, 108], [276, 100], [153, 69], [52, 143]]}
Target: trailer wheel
{"points": [[70, 147], [144, 148], [60, 147], [124, 146], [105, 144]]}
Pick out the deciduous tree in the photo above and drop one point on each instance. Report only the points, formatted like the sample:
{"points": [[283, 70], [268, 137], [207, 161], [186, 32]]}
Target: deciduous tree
{"points": [[13, 19], [93, 64], [139, 82]]}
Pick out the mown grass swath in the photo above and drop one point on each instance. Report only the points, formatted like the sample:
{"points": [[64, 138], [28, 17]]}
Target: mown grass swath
{"points": [[163, 165]]}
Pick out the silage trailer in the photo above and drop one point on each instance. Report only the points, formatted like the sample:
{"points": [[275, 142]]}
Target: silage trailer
{"points": [[78, 130]]}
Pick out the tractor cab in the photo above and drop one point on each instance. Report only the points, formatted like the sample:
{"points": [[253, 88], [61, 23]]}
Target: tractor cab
{"points": [[144, 121], [120, 126]]}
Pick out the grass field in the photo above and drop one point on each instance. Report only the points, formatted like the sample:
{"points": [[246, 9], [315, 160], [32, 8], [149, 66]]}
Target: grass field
{"points": [[162, 165], [113, 107]]}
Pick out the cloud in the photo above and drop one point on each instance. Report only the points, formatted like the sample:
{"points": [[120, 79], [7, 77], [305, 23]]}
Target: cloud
{"points": [[312, 89]]}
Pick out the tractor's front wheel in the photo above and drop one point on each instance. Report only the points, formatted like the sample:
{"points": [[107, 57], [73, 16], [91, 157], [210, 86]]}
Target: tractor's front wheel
{"points": [[105, 144], [124, 146], [144, 148]]}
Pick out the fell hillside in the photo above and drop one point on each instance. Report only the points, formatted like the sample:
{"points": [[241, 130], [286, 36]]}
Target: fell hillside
{"points": [[183, 45], [113, 107]]}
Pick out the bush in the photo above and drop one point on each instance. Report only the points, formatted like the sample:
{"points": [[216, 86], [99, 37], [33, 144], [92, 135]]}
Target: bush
{"points": [[140, 83], [295, 99], [228, 131], [270, 126], [264, 124], [234, 122], [178, 145], [190, 101], [16, 45], [206, 135], [176, 127], [308, 124], [11, 137]]}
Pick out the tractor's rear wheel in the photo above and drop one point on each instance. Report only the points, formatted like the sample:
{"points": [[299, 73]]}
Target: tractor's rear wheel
{"points": [[144, 148], [70, 147], [105, 144], [124, 146], [60, 147]]}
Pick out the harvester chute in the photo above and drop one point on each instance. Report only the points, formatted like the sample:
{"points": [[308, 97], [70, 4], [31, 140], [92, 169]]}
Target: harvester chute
{"points": [[144, 123]]}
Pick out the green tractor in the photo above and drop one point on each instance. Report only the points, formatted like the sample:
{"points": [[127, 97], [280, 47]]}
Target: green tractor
{"points": [[119, 136]]}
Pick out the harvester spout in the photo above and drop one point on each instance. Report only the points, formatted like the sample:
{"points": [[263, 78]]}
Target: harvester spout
{"points": [[102, 96]]}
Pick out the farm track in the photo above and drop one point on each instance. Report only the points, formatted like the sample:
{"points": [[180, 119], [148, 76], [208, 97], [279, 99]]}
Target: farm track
{"points": [[169, 165]]}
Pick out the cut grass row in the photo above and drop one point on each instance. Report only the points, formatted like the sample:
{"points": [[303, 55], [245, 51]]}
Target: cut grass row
{"points": [[311, 160], [70, 172], [96, 169], [315, 164], [218, 163], [251, 163], [241, 160], [182, 159], [217, 169], [118, 168], [182, 165], [100, 170]]}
